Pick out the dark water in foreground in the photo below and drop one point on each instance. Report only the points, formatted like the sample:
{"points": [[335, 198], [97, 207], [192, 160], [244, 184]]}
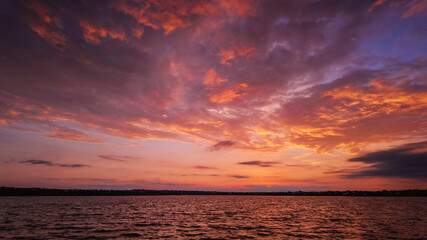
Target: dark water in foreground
{"points": [[213, 217]]}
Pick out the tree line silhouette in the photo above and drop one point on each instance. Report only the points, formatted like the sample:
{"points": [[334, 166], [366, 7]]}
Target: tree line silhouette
{"points": [[14, 191]]}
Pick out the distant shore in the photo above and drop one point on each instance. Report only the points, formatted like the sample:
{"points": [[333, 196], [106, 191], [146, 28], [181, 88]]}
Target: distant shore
{"points": [[13, 191]]}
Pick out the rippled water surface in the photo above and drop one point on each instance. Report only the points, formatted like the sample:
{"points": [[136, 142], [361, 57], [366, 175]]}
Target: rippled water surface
{"points": [[213, 217]]}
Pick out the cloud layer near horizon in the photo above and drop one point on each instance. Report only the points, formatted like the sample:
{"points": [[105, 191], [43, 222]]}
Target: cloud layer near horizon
{"points": [[407, 161]]}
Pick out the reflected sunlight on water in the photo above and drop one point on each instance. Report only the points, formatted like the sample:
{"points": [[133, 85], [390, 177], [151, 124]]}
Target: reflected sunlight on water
{"points": [[213, 217]]}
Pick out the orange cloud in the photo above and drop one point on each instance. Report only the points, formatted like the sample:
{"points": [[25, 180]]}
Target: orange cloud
{"points": [[94, 34], [205, 8], [341, 118], [157, 15], [229, 54], [137, 32], [46, 24], [245, 51], [45, 118], [376, 4], [229, 94], [170, 15], [240, 7], [212, 78], [378, 99], [72, 135], [170, 22], [420, 7], [352, 117]]}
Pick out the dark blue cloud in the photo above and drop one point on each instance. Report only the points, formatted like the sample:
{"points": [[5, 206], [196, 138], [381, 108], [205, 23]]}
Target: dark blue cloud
{"points": [[407, 161]]}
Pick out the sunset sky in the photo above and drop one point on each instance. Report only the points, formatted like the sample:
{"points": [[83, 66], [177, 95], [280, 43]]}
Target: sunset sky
{"points": [[229, 95]]}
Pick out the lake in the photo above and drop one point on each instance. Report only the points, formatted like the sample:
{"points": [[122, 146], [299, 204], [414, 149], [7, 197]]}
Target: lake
{"points": [[213, 217]]}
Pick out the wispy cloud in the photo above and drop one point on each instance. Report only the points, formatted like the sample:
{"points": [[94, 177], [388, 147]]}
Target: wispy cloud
{"points": [[201, 175], [203, 167], [118, 158], [299, 165], [72, 135], [376, 4], [49, 163], [259, 163], [419, 7], [238, 176]]}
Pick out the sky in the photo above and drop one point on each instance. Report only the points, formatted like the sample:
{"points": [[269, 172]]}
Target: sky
{"points": [[224, 95]]}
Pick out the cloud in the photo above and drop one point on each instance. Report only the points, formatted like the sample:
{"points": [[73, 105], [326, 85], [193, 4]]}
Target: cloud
{"points": [[259, 163], [419, 7], [118, 158], [227, 55], [152, 14], [203, 167], [407, 161], [254, 72], [300, 165], [344, 115], [376, 4], [335, 170], [94, 34], [229, 94], [212, 78], [240, 7], [45, 23], [201, 175], [49, 163], [72, 135], [170, 15], [238, 176], [221, 145]]}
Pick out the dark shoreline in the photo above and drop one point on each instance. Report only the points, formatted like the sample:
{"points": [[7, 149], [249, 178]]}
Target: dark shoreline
{"points": [[12, 191]]}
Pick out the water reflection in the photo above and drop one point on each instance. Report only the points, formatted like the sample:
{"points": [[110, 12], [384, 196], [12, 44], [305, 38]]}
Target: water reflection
{"points": [[213, 217]]}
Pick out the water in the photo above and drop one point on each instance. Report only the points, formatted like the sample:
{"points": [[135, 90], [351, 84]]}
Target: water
{"points": [[213, 217]]}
